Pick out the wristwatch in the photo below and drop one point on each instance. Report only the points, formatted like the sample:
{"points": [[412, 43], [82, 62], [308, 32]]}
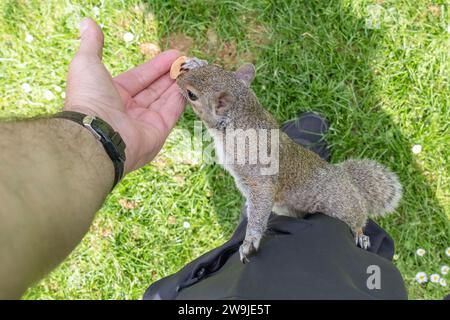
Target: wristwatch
{"points": [[103, 132]]}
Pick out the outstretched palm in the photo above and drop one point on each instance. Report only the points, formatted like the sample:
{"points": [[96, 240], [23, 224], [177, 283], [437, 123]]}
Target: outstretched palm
{"points": [[142, 104]]}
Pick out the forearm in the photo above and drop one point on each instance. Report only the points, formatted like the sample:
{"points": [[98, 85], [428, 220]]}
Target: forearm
{"points": [[54, 176]]}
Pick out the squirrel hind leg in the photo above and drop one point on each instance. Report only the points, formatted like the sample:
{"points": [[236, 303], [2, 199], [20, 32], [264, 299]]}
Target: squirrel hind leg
{"points": [[354, 214]]}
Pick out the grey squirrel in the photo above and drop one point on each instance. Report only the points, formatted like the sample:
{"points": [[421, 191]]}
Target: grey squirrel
{"points": [[303, 183]]}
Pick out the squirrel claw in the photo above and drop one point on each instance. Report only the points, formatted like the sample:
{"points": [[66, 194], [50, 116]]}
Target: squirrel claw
{"points": [[242, 256], [362, 241], [248, 248], [193, 63]]}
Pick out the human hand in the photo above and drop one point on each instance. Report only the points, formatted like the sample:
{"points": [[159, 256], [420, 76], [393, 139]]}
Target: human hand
{"points": [[142, 104]]}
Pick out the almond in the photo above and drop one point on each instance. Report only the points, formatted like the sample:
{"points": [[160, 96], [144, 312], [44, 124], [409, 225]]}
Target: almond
{"points": [[176, 66]]}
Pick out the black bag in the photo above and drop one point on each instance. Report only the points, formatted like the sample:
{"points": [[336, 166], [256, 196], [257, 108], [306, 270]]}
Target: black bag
{"points": [[310, 258]]}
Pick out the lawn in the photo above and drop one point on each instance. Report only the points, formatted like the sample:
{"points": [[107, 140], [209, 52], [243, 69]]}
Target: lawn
{"points": [[378, 70]]}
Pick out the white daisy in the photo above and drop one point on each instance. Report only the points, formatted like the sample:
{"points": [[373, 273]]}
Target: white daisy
{"points": [[26, 87], [420, 252], [444, 269], [63, 95], [29, 38], [442, 282], [57, 88], [416, 149], [435, 278], [421, 277], [96, 11], [128, 37], [48, 95], [447, 252], [395, 257], [186, 225]]}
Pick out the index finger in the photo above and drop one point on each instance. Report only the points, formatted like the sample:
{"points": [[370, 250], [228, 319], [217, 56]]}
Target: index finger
{"points": [[137, 79]]}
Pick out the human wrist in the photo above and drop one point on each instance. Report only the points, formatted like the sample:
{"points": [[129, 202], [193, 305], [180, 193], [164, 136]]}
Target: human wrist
{"points": [[109, 138], [119, 121]]}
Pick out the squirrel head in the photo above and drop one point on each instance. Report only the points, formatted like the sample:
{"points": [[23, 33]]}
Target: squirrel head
{"points": [[214, 93]]}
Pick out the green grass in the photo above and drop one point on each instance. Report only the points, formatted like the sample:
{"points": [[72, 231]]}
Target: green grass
{"points": [[383, 90]]}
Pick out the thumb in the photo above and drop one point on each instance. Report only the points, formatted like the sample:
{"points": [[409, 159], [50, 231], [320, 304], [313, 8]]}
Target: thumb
{"points": [[91, 37]]}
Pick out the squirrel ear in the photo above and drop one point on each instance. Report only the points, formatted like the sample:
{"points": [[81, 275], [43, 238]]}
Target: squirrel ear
{"points": [[222, 101], [246, 73]]}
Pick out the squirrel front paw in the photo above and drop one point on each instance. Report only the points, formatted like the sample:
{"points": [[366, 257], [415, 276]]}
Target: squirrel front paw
{"points": [[249, 246], [193, 63]]}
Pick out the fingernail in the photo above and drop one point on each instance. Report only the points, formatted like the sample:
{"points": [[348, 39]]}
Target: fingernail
{"points": [[83, 25]]}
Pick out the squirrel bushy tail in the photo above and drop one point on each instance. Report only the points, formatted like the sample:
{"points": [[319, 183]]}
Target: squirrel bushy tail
{"points": [[379, 186]]}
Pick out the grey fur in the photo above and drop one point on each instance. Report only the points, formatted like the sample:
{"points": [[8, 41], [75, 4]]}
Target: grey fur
{"points": [[304, 183]]}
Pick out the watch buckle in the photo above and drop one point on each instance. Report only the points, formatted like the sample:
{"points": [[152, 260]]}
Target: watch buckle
{"points": [[87, 123]]}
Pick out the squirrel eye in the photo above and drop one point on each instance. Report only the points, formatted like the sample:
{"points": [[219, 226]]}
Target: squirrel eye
{"points": [[191, 96]]}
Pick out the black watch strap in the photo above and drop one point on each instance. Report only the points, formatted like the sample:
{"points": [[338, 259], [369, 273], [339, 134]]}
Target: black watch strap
{"points": [[103, 132]]}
